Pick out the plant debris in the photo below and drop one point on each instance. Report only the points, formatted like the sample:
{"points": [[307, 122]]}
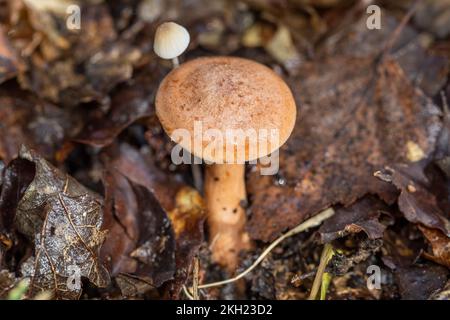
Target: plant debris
{"points": [[92, 206]]}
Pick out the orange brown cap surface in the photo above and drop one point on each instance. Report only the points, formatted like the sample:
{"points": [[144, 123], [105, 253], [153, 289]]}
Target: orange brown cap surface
{"points": [[226, 93]]}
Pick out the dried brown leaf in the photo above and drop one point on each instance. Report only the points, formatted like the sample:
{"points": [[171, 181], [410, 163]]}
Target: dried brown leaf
{"points": [[440, 246], [63, 219], [363, 215], [355, 116]]}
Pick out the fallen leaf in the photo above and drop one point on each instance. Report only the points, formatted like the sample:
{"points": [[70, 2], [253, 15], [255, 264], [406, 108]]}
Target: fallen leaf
{"points": [[415, 201], [352, 121], [63, 219], [16, 179], [141, 241], [128, 104], [440, 246], [156, 245], [363, 215], [420, 282]]}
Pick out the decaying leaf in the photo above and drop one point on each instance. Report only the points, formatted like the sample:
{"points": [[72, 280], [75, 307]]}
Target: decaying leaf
{"points": [[440, 246], [15, 181], [420, 282], [121, 221], [415, 201], [63, 220], [363, 215], [141, 240], [128, 104], [352, 121], [156, 245]]}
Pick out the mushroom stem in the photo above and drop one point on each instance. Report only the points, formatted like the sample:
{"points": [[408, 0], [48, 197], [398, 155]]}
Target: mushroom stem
{"points": [[225, 194], [175, 62]]}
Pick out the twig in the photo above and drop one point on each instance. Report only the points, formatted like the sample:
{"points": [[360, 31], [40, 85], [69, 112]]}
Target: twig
{"points": [[327, 253], [398, 30], [187, 293], [310, 223], [195, 279]]}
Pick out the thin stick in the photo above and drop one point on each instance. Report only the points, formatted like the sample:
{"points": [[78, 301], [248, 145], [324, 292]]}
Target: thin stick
{"points": [[187, 293], [310, 223], [327, 253], [195, 279], [398, 30]]}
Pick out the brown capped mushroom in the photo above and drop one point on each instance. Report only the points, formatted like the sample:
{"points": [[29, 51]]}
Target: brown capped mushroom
{"points": [[224, 94]]}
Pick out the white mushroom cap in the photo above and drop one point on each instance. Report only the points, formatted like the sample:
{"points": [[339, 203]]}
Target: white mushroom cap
{"points": [[171, 40]]}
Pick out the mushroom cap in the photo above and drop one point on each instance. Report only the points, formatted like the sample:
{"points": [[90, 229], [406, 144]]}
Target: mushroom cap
{"points": [[171, 40], [226, 93]]}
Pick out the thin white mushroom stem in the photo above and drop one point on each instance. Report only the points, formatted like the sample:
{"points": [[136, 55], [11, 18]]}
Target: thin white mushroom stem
{"points": [[175, 62]]}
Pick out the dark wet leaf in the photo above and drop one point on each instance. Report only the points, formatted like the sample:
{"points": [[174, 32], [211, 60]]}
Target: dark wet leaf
{"points": [[420, 282], [16, 179], [139, 167], [128, 104], [363, 215], [141, 240], [416, 202], [423, 67], [121, 221], [352, 121], [132, 286], [156, 245], [63, 220]]}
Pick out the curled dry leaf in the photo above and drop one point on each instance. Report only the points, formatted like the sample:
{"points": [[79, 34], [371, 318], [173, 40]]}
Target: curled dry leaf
{"points": [[15, 181], [134, 235], [440, 246], [141, 241], [363, 215], [63, 220], [415, 201], [141, 244], [156, 245]]}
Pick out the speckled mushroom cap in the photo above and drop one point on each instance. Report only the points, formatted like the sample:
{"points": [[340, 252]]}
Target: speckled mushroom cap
{"points": [[224, 93]]}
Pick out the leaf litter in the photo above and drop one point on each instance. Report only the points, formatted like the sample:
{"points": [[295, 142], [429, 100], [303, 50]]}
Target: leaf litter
{"points": [[371, 141]]}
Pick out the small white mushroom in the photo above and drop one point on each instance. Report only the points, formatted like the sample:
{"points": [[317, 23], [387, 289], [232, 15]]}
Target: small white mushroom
{"points": [[171, 40]]}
